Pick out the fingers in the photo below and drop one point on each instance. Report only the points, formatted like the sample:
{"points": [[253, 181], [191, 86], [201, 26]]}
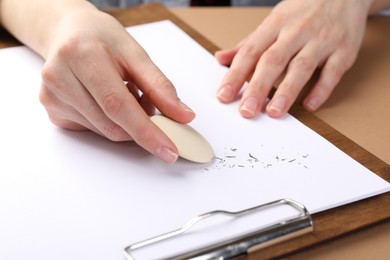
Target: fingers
{"points": [[84, 84], [84, 88], [331, 73], [267, 69], [143, 100], [300, 69], [243, 64], [62, 114], [116, 102], [157, 88], [293, 41], [225, 57], [64, 96]]}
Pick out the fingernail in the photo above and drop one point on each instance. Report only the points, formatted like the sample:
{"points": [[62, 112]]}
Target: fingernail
{"points": [[185, 107], [166, 154], [312, 103], [225, 93], [278, 104], [249, 107]]}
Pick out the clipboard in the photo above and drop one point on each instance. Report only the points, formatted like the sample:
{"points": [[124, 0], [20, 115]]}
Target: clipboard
{"points": [[327, 225]]}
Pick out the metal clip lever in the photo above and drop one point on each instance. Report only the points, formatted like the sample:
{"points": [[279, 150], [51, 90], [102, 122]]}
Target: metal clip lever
{"points": [[239, 245]]}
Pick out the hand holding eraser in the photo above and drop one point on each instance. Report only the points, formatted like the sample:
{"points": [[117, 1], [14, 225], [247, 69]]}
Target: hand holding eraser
{"points": [[190, 144]]}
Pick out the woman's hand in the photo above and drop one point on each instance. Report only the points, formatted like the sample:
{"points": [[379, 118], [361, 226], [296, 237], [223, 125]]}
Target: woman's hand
{"points": [[97, 77], [297, 37]]}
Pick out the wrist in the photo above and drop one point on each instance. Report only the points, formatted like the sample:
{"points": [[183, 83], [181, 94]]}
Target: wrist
{"points": [[34, 22], [61, 22]]}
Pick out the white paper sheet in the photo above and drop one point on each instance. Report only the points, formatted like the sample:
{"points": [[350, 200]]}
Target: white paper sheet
{"points": [[74, 195]]}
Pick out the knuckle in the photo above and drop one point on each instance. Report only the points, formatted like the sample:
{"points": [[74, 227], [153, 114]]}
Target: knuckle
{"points": [[55, 115], [273, 57], [347, 47], [331, 76], [57, 121], [112, 103], [277, 18], [303, 63], [113, 132], [63, 123], [255, 85], [304, 24], [48, 74], [51, 77], [141, 54], [163, 86], [249, 51], [257, 88], [326, 33], [142, 134], [291, 89], [349, 55], [78, 48], [335, 71], [74, 44], [163, 82], [45, 98], [50, 102]]}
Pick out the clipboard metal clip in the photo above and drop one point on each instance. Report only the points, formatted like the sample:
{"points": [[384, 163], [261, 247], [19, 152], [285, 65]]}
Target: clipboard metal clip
{"points": [[232, 247]]}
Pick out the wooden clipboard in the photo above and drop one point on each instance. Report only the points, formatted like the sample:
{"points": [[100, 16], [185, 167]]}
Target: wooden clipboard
{"points": [[328, 225]]}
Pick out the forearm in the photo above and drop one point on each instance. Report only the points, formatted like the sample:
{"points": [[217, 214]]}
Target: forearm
{"points": [[33, 22]]}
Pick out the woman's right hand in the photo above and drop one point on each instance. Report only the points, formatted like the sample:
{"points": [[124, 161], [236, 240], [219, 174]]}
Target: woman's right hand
{"points": [[97, 77]]}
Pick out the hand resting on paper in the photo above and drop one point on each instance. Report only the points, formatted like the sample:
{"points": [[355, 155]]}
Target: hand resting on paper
{"points": [[296, 38], [89, 56]]}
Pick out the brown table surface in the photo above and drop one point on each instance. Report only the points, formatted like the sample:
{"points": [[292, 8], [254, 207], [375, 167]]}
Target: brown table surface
{"points": [[358, 108]]}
